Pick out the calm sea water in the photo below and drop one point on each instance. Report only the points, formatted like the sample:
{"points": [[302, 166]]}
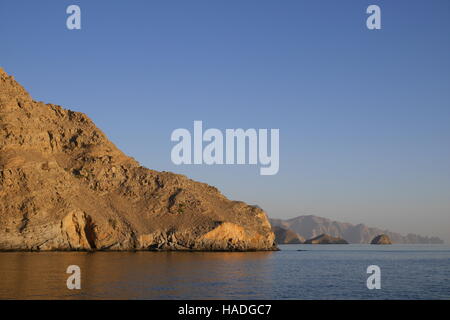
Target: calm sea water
{"points": [[316, 272]]}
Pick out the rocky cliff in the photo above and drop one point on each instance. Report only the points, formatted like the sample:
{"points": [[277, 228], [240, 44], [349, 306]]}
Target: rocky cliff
{"points": [[310, 226], [65, 186]]}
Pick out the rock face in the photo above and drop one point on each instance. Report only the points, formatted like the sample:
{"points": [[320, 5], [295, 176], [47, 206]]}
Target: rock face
{"points": [[65, 186], [325, 239], [286, 236], [310, 226], [381, 239]]}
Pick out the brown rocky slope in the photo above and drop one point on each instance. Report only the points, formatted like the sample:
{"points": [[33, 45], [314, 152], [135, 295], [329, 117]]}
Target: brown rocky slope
{"points": [[65, 186]]}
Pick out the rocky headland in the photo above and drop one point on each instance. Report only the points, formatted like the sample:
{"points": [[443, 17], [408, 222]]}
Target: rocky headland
{"points": [[65, 186]]}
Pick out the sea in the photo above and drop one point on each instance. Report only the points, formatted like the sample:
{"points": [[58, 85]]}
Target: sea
{"points": [[295, 272]]}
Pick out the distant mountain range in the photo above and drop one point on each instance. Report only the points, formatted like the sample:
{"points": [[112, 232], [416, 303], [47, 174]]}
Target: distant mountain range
{"points": [[309, 226]]}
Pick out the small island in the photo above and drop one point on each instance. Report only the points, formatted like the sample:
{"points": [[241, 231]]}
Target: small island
{"points": [[381, 239], [286, 236]]}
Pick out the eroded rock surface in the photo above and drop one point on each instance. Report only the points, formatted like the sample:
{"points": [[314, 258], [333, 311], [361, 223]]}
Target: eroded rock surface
{"points": [[65, 186]]}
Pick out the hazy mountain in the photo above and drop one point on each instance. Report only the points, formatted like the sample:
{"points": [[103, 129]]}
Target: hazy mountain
{"points": [[326, 239], [286, 236], [309, 226]]}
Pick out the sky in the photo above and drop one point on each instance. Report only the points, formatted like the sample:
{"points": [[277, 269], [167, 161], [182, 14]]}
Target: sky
{"points": [[364, 115]]}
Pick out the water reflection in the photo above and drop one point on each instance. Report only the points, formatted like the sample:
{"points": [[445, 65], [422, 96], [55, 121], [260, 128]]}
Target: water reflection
{"points": [[315, 272], [140, 275]]}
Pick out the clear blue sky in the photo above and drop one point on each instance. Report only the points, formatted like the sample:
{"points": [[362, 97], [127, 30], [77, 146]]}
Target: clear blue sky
{"points": [[364, 116]]}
